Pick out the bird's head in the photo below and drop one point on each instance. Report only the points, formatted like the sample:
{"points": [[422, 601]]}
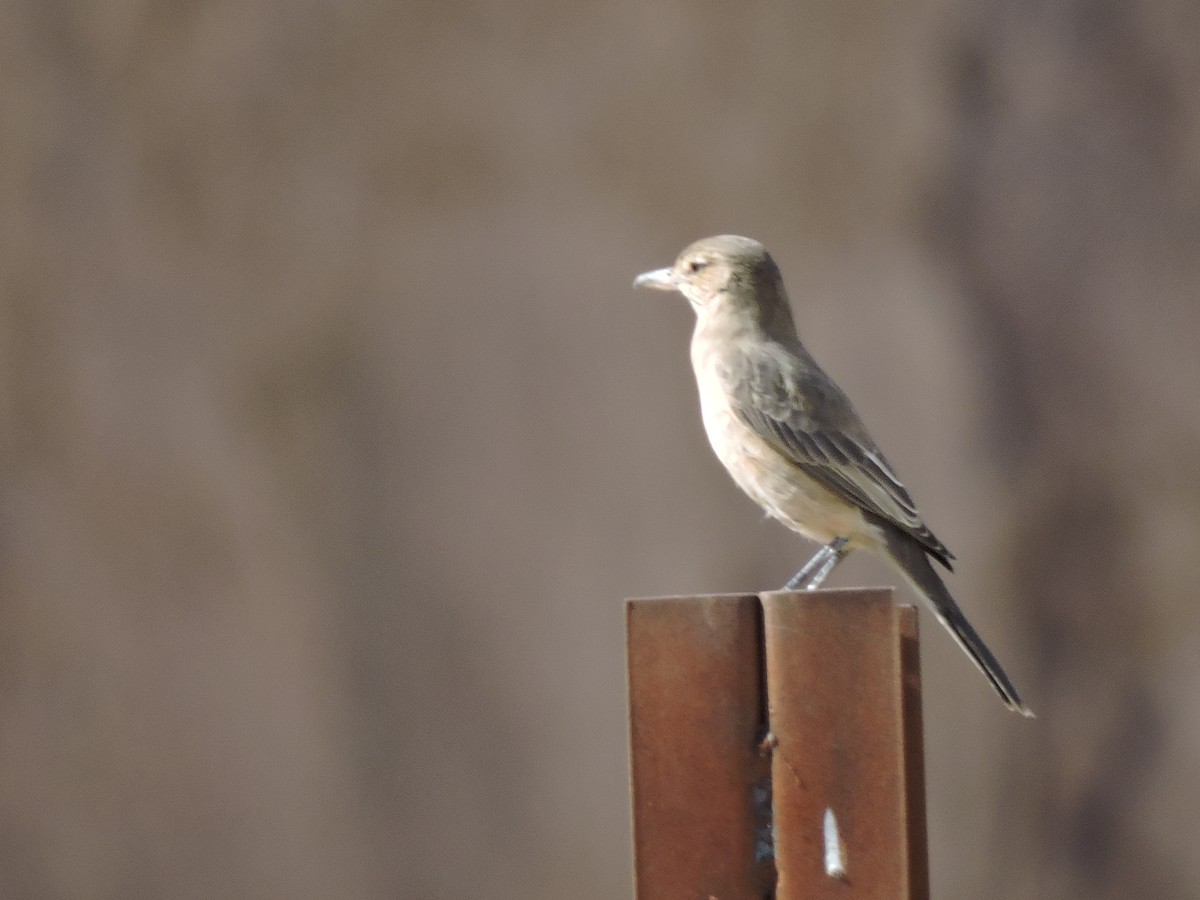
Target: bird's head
{"points": [[726, 276]]}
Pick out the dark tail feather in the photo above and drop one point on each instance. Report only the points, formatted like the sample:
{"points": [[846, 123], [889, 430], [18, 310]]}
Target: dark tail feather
{"points": [[910, 557]]}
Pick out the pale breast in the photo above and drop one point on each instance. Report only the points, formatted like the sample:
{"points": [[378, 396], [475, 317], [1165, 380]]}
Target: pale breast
{"points": [[782, 489]]}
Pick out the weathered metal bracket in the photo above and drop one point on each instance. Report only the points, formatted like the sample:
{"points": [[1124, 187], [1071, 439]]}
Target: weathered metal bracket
{"points": [[776, 747]]}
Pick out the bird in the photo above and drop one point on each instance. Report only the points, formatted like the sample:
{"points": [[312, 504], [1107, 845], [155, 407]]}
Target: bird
{"points": [[791, 439]]}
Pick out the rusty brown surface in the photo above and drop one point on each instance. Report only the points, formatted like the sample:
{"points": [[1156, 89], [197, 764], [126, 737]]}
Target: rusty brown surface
{"points": [[836, 676], [836, 707], [695, 722], [914, 751]]}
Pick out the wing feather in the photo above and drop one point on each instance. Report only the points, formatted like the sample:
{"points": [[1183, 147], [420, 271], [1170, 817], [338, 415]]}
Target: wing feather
{"points": [[795, 407]]}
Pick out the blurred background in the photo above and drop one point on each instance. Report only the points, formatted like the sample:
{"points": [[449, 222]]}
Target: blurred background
{"points": [[333, 434]]}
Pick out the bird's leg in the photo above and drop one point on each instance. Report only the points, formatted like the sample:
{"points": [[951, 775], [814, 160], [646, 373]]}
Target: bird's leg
{"points": [[797, 581], [837, 553], [818, 568]]}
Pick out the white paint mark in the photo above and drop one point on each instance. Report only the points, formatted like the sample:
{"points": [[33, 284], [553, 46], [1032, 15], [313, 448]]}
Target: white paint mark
{"points": [[835, 851]]}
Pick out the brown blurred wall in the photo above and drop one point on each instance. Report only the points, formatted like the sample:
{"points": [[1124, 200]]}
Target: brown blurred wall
{"points": [[332, 433]]}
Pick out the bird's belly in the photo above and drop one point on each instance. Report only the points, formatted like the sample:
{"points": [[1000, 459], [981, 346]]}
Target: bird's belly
{"points": [[783, 490]]}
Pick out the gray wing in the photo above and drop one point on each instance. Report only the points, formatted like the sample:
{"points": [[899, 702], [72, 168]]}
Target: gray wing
{"points": [[795, 407]]}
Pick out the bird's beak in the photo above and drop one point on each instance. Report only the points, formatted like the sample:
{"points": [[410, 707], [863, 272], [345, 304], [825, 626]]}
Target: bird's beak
{"points": [[659, 279]]}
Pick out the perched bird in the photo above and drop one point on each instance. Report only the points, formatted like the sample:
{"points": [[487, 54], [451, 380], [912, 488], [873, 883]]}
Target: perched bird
{"points": [[790, 437]]}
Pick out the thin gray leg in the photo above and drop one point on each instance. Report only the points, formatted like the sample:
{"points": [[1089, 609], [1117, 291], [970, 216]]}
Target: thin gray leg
{"points": [[797, 581], [818, 568], [826, 567]]}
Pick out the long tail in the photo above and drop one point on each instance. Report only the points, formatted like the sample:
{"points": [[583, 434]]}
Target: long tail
{"points": [[909, 556]]}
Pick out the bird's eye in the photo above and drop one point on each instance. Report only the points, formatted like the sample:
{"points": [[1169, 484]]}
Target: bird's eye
{"points": [[696, 265]]}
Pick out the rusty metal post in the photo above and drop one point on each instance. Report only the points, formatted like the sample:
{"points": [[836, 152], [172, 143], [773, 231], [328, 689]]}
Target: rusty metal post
{"points": [[843, 806], [837, 707], [696, 716], [914, 754]]}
